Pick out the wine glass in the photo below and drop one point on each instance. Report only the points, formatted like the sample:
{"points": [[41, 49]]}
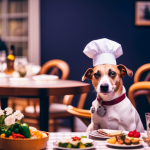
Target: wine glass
{"points": [[20, 65], [2, 59], [147, 115]]}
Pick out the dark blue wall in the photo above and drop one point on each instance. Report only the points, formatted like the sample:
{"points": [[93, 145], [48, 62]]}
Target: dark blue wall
{"points": [[68, 25]]}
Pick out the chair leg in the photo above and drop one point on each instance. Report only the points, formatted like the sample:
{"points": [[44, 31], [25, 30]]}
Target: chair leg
{"points": [[52, 125], [72, 123]]}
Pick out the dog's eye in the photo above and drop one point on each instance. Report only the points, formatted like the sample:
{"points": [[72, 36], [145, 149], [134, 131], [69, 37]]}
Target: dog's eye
{"points": [[113, 73], [97, 75]]}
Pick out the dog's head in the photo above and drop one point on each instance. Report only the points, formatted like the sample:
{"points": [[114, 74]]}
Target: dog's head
{"points": [[107, 79]]}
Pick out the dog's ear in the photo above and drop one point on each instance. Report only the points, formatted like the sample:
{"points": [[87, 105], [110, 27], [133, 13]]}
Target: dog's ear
{"points": [[88, 74], [124, 71]]}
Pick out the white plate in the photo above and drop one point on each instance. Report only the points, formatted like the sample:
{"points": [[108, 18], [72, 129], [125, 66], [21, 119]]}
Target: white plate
{"points": [[56, 146], [45, 77], [123, 145], [94, 133], [3, 75], [18, 79]]}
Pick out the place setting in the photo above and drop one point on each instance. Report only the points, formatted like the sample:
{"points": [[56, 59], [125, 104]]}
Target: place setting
{"points": [[75, 143], [23, 70], [17, 68], [119, 138]]}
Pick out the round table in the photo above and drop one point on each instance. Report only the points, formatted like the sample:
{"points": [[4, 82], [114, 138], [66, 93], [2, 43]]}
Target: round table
{"points": [[41, 90]]}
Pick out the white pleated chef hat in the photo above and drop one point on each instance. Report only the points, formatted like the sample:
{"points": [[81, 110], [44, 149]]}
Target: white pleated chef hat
{"points": [[103, 51]]}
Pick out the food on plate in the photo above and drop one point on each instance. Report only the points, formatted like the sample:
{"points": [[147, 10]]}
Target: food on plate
{"points": [[11, 126], [125, 139], [115, 133], [133, 140], [110, 134], [87, 142], [119, 139], [75, 142], [147, 140], [112, 140], [134, 134]]}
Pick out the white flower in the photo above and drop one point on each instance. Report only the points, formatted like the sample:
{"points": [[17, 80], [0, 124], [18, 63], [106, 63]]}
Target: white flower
{"points": [[1, 112], [18, 115], [10, 120], [8, 110]]}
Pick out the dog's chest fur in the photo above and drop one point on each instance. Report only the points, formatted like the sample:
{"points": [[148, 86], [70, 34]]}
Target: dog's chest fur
{"points": [[114, 115], [121, 116]]}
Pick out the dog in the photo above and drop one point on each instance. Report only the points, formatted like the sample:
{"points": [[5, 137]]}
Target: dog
{"points": [[107, 81]]}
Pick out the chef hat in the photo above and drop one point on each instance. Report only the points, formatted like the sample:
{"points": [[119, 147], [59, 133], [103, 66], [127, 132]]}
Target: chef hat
{"points": [[103, 51]]}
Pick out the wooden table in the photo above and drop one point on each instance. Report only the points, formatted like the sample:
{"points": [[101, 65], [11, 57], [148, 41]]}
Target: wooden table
{"points": [[41, 90], [101, 143]]}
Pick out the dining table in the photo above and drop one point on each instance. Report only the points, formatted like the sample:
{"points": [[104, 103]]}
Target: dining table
{"points": [[29, 88], [101, 144]]}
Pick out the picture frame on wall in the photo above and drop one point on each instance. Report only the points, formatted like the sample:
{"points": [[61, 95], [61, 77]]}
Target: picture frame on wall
{"points": [[142, 13]]}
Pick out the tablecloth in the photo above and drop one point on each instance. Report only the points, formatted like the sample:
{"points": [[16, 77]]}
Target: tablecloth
{"points": [[101, 143]]}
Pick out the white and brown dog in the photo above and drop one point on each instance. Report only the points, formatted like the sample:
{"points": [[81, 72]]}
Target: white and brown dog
{"points": [[116, 111]]}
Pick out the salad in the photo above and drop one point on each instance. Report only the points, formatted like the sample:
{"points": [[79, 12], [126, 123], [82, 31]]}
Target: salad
{"points": [[75, 142], [12, 127]]}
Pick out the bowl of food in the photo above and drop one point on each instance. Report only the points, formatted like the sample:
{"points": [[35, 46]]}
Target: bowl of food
{"points": [[16, 135], [25, 143]]}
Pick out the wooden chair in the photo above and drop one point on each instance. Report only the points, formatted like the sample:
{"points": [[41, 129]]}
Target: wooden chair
{"points": [[140, 87], [83, 115], [57, 110]]}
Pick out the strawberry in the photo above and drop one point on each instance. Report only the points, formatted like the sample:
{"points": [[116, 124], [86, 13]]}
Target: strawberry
{"points": [[130, 134], [134, 131], [137, 134]]}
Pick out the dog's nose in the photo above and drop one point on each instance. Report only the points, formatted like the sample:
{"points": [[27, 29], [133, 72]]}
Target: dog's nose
{"points": [[104, 87]]}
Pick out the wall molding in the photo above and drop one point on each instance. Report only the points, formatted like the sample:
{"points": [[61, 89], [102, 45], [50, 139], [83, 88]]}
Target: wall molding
{"points": [[34, 31]]}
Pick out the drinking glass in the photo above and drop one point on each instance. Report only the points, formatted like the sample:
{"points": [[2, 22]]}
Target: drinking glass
{"points": [[20, 65], [2, 59], [147, 115]]}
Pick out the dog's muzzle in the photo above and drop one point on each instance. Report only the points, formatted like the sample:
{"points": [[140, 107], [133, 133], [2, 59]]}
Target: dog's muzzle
{"points": [[104, 88]]}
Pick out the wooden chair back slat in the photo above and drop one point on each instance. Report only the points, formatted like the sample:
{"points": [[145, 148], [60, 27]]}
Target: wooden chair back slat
{"points": [[62, 65], [67, 100], [82, 100]]}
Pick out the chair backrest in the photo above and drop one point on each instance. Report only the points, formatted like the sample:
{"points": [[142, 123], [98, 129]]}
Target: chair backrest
{"points": [[68, 99], [140, 71], [62, 65], [140, 87]]}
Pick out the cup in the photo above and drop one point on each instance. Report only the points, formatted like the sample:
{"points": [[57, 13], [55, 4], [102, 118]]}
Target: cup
{"points": [[147, 115]]}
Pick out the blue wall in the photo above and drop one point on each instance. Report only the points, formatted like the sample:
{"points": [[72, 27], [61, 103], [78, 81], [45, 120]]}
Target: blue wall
{"points": [[68, 25]]}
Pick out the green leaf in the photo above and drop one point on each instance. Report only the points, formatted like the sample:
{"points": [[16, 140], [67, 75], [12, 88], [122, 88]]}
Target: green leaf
{"points": [[77, 146], [88, 144], [123, 137], [83, 137], [69, 145], [63, 144]]}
